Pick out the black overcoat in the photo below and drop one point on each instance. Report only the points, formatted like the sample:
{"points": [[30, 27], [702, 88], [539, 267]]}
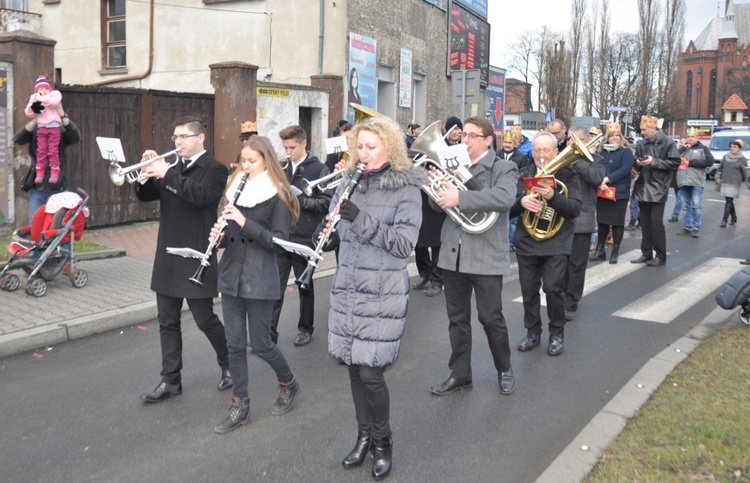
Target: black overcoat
{"points": [[189, 201]]}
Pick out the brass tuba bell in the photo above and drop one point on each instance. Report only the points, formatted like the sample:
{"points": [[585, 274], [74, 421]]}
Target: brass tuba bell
{"points": [[547, 222], [361, 112]]}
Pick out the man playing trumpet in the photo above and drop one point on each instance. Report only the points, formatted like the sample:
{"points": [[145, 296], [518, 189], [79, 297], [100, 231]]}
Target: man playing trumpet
{"points": [[188, 193]]}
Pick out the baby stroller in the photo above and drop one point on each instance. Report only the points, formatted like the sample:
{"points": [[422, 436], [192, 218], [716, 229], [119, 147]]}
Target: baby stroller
{"points": [[56, 226], [736, 291]]}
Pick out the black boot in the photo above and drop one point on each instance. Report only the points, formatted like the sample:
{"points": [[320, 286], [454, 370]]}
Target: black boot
{"points": [[599, 253], [239, 414], [287, 394], [359, 453], [615, 253], [381, 454], [727, 210], [733, 218]]}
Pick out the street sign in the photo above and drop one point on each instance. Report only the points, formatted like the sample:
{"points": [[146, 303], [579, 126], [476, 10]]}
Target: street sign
{"points": [[465, 86], [703, 122], [549, 117], [618, 109]]}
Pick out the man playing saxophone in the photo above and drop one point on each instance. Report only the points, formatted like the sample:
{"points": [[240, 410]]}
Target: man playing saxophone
{"points": [[543, 262]]}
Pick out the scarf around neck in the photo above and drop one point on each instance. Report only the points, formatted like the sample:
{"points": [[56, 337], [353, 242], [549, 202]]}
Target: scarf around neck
{"points": [[256, 191], [734, 158]]}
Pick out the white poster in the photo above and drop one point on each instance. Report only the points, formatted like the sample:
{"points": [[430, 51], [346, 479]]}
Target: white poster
{"points": [[404, 88]]}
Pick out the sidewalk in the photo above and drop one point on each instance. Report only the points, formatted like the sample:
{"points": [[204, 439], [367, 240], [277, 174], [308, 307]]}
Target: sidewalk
{"points": [[117, 293]]}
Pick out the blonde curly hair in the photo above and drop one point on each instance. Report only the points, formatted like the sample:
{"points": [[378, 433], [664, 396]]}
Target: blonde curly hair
{"points": [[390, 133]]}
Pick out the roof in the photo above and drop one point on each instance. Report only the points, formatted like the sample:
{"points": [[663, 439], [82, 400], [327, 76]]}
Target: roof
{"points": [[734, 103], [709, 38]]}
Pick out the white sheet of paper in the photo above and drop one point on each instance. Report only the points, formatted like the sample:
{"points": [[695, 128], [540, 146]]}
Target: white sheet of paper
{"points": [[185, 252], [296, 191], [301, 250], [453, 156], [111, 149], [336, 145]]}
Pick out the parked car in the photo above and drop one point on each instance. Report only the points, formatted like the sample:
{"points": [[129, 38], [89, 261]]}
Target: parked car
{"points": [[719, 146]]}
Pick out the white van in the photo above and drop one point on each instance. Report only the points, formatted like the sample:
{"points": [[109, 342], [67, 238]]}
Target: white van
{"points": [[719, 146]]}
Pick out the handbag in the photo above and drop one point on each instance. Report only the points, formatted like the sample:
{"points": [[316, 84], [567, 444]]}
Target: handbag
{"points": [[608, 193]]}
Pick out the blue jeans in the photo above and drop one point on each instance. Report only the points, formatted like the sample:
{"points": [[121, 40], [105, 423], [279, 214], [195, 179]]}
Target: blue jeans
{"points": [[691, 198], [635, 209], [241, 316], [36, 199], [512, 230], [677, 203]]}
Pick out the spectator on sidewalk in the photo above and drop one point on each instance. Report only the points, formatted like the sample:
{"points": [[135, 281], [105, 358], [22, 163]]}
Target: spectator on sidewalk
{"points": [[730, 175], [691, 176], [188, 194]]}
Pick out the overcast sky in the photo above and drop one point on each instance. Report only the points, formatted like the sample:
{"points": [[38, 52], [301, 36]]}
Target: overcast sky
{"points": [[509, 20]]}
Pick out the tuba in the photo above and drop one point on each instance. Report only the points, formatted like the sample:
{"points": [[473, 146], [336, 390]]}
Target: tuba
{"points": [[361, 112], [546, 223], [429, 143]]}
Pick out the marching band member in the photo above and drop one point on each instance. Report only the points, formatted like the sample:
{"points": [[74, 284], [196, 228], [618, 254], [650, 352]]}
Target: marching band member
{"points": [[266, 208], [188, 195]]}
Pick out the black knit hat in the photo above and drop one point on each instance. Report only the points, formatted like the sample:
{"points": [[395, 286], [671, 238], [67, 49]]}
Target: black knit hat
{"points": [[453, 121]]}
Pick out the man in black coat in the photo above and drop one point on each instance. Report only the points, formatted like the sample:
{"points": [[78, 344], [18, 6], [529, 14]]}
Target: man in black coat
{"points": [[511, 153], [188, 195], [301, 165], [545, 261]]}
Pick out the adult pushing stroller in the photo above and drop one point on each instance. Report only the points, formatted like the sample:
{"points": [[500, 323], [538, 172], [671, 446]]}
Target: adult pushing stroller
{"points": [[50, 241]]}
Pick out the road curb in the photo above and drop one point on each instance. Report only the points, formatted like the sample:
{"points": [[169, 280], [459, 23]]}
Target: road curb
{"points": [[574, 462]]}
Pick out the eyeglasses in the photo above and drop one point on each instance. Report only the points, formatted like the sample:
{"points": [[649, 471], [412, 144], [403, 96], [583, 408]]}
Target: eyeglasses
{"points": [[471, 135], [183, 137], [543, 151], [555, 133]]}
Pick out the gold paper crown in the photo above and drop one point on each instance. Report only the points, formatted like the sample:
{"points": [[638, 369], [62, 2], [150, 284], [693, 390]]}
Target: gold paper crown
{"points": [[509, 136], [647, 121], [692, 132], [249, 127], [613, 127], [594, 131], [740, 142]]}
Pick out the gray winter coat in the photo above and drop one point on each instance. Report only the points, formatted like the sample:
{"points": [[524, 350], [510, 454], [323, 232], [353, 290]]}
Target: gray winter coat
{"points": [[694, 172], [653, 182], [731, 173], [485, 253], [592, 175], [370, 290]]}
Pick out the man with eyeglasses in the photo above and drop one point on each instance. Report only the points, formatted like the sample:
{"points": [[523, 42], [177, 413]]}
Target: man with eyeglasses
{"points": [[188, 192], [476, 262], [557, 128], [543, 263]]}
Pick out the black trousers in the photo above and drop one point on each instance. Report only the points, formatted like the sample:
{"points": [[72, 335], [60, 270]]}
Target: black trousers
{"points": [[428, 265], [288, 262], [549, 272], [170, 332], [575, 275], [372, 402], [488, 292], [652, 227]]}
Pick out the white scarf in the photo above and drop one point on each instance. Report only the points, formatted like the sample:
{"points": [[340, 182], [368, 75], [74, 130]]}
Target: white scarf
{"points": [[256, 191]]}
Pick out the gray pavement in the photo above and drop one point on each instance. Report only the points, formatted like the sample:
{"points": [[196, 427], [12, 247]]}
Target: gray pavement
{"points": [[118, 295]]}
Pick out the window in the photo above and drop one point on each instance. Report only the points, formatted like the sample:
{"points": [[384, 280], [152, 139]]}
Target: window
{"points": [[712, 93], [21, 5], [689, 95], [113, 35]]}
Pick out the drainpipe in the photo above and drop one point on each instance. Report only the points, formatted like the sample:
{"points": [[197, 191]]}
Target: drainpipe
{"points": [[150, 56], [321, 35]]}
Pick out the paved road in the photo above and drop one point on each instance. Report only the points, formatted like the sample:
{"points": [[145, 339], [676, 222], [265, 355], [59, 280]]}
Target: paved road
{"points": [[74, 415]]}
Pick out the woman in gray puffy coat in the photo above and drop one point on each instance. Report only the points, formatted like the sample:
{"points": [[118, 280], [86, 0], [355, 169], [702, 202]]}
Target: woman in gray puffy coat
{"points": [[730, 176], [370, 292]]}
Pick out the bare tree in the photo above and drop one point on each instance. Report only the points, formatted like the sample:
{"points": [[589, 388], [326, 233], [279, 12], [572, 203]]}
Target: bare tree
{"points": [[577, 32], [605, 46], [674, 30], [648, 13]]}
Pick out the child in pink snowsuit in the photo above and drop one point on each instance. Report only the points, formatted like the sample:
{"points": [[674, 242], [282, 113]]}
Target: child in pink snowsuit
{"points": [[45, 105]]}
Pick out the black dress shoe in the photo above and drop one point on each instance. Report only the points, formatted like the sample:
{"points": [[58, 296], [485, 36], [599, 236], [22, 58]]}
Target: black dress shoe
{"points": [[745, 262], [641, 259], [226, 380], [673, 219], [434, 290], [450, 386], [556, 345], [507, 382], [303, 338], [529, 342], [421, 284], [163, 391], [656, 262]]}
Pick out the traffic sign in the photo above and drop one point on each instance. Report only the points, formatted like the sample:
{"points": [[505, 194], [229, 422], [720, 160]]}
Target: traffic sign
{"points": [[703, 122], [618, 109]]}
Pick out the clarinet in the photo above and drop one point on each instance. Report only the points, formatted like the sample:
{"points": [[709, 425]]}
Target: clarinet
{"points": [[306, 278], [197, 278]]}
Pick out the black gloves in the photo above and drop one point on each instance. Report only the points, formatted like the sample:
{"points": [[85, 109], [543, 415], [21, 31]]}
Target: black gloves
{"points": [[348, 210], [333, 239]]}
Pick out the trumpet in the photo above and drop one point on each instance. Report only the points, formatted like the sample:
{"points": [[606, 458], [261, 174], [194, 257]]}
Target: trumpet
{"points": [[325, 183], [131, 174], [284, 162]]}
